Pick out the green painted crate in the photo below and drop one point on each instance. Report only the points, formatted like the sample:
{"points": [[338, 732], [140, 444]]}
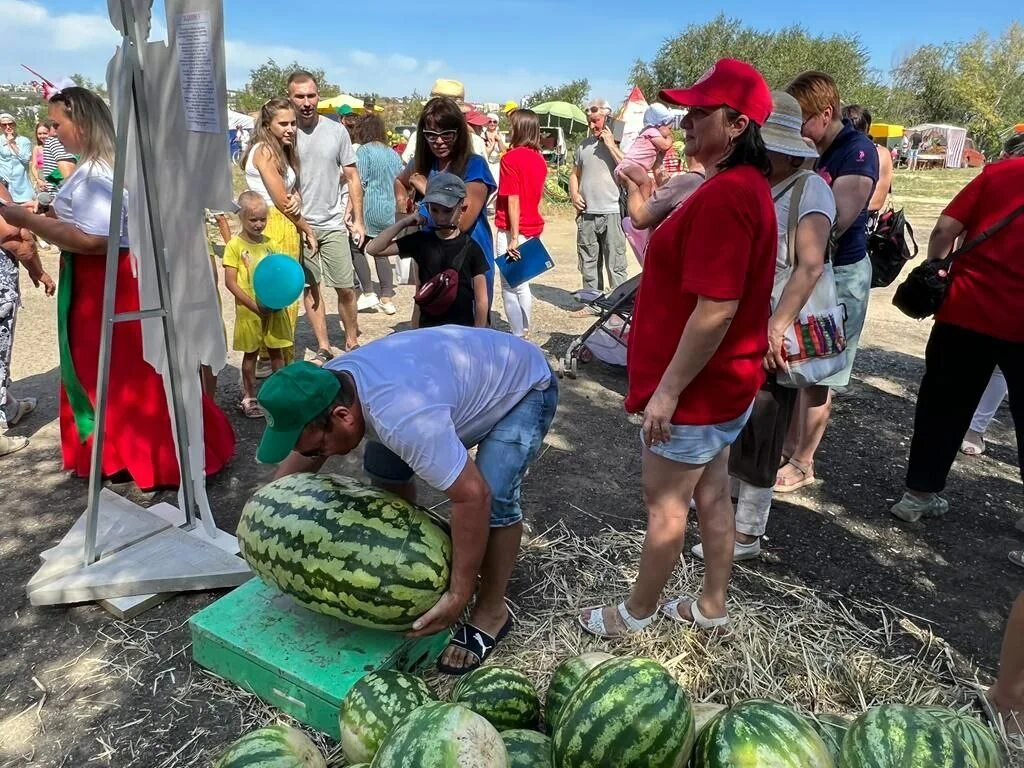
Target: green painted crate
{"points": [[299, 661]]}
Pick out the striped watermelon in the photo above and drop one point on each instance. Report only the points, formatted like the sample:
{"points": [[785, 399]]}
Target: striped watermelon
{"points": [[832, 729], [626, 713], [276, 746], [347, 550], [441, 735], [504, 696], [564, 680], [373, 707], [895, 735], [527, 749], [758, 732], [980, 741]]}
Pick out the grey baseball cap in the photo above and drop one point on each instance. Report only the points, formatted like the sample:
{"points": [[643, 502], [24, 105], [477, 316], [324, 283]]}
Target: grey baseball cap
{"points": [[445, 189]]}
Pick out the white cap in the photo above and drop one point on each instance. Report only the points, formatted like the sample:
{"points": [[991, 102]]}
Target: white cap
{"points": [[657, 115]]}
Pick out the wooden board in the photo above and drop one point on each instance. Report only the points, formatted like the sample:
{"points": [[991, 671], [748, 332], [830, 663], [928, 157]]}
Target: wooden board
{"points": [[298, 661]]}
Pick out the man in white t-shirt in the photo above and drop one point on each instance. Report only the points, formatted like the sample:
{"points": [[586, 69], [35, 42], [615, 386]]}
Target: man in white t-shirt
{"points": [[421, 399], [327, 161]]}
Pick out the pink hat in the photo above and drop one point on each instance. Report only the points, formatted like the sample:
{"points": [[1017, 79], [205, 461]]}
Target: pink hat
{"points": [[729, 83]]}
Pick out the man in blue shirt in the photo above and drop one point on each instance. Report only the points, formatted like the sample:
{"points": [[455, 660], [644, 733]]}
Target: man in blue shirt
{"points": [[848, 161]]}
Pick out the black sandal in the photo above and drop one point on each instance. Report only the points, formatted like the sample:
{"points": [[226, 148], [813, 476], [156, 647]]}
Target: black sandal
{"points": [[477, 642], [322, 356]]}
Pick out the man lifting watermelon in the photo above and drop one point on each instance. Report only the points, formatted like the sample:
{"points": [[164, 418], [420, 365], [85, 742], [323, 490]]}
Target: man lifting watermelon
{"points": [[421, 399]]}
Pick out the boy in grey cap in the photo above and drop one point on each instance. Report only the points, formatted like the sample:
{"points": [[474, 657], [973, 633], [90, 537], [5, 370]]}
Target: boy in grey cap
{"points": [[439, 245]]}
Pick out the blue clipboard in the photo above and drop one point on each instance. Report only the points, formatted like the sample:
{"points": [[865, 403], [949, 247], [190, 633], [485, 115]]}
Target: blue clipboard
{"points": [[534, 260]]}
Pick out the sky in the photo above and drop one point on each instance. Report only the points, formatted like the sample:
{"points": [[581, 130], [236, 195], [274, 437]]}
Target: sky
{"points": [[500, 50]]}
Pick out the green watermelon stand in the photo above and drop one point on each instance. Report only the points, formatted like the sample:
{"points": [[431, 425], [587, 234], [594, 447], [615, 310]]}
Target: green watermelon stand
{"points": [[298, 661]]}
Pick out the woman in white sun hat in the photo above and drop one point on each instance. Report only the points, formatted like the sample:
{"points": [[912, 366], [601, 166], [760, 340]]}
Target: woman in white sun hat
{"points": [[799, 264]]}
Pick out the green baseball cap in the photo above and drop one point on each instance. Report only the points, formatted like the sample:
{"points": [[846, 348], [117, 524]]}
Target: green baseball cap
{"points": [[291, 398]]}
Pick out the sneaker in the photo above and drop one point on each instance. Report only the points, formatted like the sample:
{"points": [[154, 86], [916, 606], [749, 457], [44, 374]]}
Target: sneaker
{"points": [[912, 508], [263, 369], [740, 551], [388, 307], [367, 302]]}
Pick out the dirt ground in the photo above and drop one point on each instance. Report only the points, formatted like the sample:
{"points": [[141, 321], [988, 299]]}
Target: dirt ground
{"points": [[77, 687]]}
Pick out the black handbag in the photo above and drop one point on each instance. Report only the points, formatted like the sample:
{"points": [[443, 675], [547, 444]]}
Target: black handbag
{"points": [[888, 248], [924, 290]]}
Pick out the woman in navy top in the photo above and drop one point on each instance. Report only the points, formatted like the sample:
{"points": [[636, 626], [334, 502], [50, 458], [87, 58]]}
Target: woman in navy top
{"points": [[442, 144]]}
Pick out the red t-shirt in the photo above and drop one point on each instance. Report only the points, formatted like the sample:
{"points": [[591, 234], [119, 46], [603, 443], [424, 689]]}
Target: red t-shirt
{"points": [[719, 244], [523, 172], [986, 289]]}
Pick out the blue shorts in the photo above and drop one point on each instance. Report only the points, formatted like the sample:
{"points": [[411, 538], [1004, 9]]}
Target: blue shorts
{"points": [[502, 457], [699, 444]]}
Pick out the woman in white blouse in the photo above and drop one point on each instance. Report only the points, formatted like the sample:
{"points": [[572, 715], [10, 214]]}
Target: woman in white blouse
{"points": [[137, 430]]}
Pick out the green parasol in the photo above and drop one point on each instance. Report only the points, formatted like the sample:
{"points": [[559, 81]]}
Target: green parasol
{"points": [[568, 117]]}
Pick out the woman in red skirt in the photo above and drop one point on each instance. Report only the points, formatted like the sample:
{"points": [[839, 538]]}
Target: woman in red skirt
{"points": [[137, 437]]}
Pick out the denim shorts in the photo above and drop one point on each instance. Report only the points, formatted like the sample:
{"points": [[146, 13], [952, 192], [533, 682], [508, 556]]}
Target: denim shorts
{"points": [[502, 457], [699, 444]]}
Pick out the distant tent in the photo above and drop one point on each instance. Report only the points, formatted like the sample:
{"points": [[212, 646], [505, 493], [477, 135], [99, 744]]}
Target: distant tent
{"points": [[631, 118], [952, 137], [237, 120]]}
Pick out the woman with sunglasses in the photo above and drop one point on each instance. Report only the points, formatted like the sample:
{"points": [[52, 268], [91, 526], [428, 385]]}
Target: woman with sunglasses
{"points": [[443, 144], [15, 157], [494, 145]]}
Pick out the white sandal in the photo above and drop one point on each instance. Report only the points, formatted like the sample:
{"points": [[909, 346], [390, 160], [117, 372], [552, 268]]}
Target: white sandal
{"points": [[671, 610], [25, 406], [594, 623]]}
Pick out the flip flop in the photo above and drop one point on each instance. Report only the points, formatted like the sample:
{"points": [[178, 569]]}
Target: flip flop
{"points": [[807, 471], [699, 620], [477, 642], [250, 408], [594, 623], [25, 406], [1016, 557], [322, 356]]}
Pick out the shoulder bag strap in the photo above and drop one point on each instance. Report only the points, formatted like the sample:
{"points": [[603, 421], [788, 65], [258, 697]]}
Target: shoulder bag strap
{"points": [[976, 241], [461, 256], [794, 215]]}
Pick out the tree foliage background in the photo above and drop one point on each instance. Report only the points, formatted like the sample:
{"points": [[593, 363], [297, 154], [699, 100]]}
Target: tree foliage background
{"points": [[270, 80], [574, 92]]}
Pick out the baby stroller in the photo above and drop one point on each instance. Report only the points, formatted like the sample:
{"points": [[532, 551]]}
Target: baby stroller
{"points": [[608, 337]]}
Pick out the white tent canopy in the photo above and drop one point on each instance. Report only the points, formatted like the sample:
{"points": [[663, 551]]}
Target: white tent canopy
{"points": [[952, 137], [238, 120]]}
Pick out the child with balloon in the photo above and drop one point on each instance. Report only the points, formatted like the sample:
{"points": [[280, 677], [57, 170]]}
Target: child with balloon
{"points": [[264, 286]]}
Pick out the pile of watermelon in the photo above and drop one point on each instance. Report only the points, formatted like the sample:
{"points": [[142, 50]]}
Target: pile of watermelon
{"points": [[603, 711]]}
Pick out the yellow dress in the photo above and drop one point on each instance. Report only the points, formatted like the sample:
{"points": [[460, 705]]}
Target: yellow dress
{"points": [[284, 238], [252, 331]]}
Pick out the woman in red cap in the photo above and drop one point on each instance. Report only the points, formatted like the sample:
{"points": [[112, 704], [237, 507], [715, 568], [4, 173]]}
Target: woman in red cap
{"points": [[697, 345]]}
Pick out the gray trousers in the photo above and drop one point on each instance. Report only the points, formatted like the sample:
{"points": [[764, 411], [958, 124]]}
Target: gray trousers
{"points": [[601, 242]]}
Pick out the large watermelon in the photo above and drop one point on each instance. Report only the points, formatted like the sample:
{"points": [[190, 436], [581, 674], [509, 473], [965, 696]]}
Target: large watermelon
{"points": [[832, 729], [504, 696], [565, 678], [276, 746], [759, 733], [344, 549], [626, 713], [980, 741], [373, 707], [895, 736], [441, 735], [527, 749]]}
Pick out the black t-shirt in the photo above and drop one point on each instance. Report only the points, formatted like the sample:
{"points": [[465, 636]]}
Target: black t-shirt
{"points": [[433, 256], [915, 140]]}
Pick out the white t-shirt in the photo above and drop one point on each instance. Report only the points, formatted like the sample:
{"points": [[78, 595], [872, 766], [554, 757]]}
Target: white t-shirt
{"points": [[254, 181], [816, 198], [429, 394], [84, 200]]}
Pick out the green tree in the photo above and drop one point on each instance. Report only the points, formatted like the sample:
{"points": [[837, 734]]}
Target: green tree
{"points": [[574, 92], [270, 81], [93, 85], [778, 55]]}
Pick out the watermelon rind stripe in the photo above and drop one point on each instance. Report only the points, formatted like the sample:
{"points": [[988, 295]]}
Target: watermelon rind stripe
{"points": [[373, 707], [893, 734], [271, 747], [506, 697]]}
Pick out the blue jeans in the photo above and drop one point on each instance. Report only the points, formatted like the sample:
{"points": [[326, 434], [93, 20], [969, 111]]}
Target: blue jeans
{"points": [[503, 456], [699, 444]]}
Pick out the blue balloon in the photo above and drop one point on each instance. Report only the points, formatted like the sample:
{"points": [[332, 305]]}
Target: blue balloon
{"points": [[277, 281]]}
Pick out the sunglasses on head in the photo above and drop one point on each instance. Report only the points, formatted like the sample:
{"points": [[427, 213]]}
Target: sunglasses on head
{"points": [[595, 110]]}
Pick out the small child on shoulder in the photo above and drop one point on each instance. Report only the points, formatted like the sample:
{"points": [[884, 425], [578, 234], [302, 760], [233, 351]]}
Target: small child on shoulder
{"points": [[255, 325], [440, 247], [648, 150]]}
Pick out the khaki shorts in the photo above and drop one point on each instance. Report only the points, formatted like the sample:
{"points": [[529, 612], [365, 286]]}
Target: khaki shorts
{"points": [[331, 265]]}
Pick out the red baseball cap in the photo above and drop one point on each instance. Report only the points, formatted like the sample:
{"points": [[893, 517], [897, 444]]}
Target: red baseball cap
{"points": [[730, 83], [476, 118]]}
